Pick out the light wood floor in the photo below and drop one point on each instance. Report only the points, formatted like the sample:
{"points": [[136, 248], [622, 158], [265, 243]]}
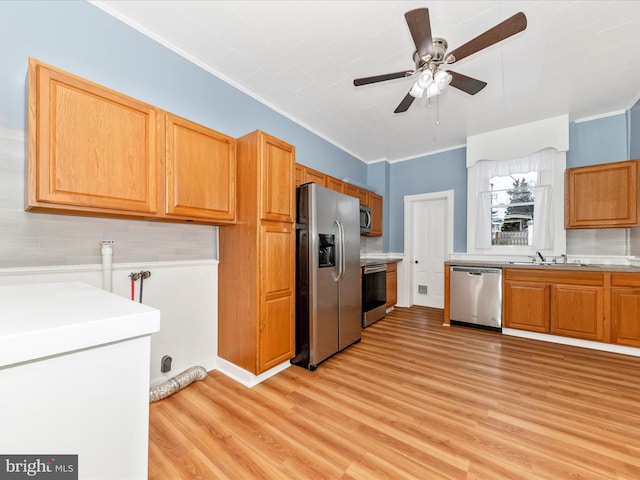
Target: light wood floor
{"points": [[416, 400]]}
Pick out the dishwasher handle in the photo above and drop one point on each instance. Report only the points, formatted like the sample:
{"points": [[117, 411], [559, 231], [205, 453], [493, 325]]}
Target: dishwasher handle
{"points": [[477, 270]]}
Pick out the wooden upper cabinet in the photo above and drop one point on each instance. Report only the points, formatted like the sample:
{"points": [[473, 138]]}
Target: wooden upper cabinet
{"points": [[314, 176], [200, 168], [94, 151], [359, 193], [601, 196], [277, 159], [375, 204], [309, 175], [90, 149], [299, 174], [335, 184], [372, 200], [352, 190]]}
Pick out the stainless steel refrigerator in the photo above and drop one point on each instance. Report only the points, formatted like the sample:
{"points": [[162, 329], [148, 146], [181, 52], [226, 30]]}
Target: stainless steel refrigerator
{"points": [[328, 296]]}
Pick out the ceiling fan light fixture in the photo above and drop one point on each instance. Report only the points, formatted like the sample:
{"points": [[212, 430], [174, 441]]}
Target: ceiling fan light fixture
{"points": [[442, 79], [424, 81], [416, 91], [433, 90]]}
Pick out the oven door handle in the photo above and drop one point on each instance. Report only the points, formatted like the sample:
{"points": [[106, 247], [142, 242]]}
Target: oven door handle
{"points": [[375, 269]]}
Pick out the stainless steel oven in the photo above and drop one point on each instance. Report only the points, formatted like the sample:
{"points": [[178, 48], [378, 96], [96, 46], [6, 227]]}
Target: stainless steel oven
{"points": [[374, 293]]}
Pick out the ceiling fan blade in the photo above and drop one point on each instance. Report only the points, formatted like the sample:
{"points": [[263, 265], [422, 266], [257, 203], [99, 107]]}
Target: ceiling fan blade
{"points": [[420, 28], [381, 78], [503, 30], [466, 84], [405, 103]]}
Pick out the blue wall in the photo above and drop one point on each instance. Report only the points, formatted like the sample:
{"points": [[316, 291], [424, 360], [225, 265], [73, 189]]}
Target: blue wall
{"points": [[634, 132], [432, 173], [603, 140], [84, 40]]}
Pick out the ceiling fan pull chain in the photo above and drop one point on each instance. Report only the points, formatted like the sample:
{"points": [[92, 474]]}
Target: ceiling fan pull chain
{"points": [[437, 110]]}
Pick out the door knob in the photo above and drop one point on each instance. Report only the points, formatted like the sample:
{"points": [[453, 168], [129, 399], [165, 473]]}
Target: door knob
{"points": [[416, 261]]}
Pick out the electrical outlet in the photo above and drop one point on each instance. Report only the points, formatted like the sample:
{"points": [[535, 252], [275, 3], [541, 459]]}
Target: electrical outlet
{"points": [[165, 364]]}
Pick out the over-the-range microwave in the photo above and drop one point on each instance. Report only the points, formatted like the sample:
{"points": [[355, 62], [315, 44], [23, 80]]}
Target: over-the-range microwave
{"points": [[365, 219]]}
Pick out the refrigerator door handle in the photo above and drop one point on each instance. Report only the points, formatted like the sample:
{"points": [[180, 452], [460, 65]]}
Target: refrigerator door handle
{"points": [[341, 262], [338, 268], [343, 256]]}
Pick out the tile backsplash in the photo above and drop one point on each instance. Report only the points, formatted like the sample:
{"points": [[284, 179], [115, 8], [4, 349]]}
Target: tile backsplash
{"points": [[604, 241], [39, 239]]}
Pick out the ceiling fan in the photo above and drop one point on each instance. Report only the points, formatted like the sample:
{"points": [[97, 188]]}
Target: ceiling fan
{"points": [[431, 57]]}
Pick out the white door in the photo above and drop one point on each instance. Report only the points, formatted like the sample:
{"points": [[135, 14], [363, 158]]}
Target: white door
{"points": [[430, 242]]}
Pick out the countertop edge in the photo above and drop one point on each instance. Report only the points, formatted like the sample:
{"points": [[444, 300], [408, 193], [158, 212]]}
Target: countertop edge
{"points": [[551, 267], [368, 261], [38, 340]]}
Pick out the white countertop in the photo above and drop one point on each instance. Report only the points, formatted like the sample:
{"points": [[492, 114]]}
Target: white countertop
{"points": [[40, 320]]}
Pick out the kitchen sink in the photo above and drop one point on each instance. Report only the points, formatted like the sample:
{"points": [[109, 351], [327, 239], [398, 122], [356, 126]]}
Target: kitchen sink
{"points": [[549, 264]]}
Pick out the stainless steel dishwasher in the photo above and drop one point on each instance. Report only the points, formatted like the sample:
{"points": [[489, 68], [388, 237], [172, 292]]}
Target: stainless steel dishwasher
{"points": [[476, 297]]}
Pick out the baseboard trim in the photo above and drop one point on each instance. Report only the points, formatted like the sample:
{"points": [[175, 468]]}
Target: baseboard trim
{"points": [[605, 347], [244, 377]]}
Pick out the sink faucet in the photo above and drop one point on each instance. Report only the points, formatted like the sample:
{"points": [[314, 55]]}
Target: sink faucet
{"points": [[540, 255]]}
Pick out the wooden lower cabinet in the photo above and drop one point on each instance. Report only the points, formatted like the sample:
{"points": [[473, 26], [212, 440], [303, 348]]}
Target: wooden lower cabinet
{"points": [[577, 311], [558, 302], [526, 306], [277, 296], [625, 316], [600, 306], [625, 309], [392, 284]]}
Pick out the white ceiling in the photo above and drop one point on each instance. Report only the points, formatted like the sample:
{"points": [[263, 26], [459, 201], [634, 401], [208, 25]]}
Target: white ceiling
{"points": [[580, 58]]}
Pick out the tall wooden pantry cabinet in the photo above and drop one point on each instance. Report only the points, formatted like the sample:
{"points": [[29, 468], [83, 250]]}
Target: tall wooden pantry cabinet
{"points": [[256, 272]]}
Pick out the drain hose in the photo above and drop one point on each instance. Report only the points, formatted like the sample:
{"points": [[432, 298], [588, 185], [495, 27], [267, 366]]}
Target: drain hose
{"points": [[176, 383]]}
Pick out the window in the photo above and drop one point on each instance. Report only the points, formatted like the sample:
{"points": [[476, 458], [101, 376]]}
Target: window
{"points": [[512, 208], [539, 147], [499, 203]]}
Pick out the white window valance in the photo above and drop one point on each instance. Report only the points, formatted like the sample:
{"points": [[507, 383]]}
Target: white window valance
{"points": [[519, 141]]}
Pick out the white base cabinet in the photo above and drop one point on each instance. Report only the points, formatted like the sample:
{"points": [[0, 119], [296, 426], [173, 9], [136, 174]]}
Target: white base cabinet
{"points": [[80, 385]]}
